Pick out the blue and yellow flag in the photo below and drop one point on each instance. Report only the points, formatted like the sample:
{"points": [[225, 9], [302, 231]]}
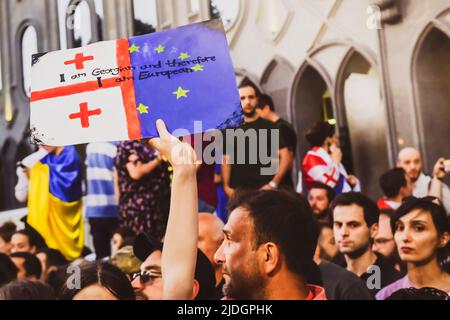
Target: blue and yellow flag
{"points": [[54, 201]]}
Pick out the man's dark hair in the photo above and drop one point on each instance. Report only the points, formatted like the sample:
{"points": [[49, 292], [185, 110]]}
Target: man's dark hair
{"points": [[36, 238], [53, 257], [370, 208], [57, 278], [331, 194], [27, 290], [31, 264], [127, 234], [205, 276], [8, 270], [317, 135], [286, 219], [392, 181], [7, 230], [104, 274], [30, 236], [247, 83], [266, 100]]}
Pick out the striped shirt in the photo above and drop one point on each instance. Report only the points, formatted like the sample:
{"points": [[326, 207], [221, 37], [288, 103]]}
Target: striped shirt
{"points": [[100, 200]]}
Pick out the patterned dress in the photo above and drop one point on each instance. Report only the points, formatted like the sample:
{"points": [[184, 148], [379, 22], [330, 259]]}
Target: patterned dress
{"points": [[143, 204]]}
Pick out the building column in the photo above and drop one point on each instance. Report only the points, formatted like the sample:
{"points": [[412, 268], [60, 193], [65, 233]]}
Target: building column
{"points": [[118, 20]]}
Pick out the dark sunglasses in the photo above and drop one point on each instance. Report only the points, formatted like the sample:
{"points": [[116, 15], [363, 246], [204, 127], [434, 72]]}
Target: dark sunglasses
{"points": [[145, 277]]}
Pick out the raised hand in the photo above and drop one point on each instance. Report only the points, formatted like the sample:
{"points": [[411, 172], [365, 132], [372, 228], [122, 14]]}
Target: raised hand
{"points": [[176, 152]]}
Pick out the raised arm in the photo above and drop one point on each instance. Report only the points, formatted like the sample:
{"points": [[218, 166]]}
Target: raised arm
{"points": [[180, 241], [137, 170]]}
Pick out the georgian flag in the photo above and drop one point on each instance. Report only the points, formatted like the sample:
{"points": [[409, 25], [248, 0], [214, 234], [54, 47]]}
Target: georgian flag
{"points": [[116, 90], [319, 167]]}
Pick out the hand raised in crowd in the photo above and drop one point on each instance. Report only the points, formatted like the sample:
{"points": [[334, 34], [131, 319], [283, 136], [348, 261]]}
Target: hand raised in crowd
{"points": [[179, 154], [336, 154], [180, 242], [439, 169], [352, 180]]}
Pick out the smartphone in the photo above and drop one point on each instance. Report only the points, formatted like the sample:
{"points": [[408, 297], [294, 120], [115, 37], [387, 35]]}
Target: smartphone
{"points": [[447, 166]]}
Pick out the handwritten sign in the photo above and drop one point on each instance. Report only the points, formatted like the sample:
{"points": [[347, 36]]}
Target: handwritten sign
{"points": [[116, 90]]}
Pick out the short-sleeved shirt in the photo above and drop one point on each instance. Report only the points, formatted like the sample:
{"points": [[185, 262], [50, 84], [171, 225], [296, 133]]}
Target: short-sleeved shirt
{"points": [[341, 284], [386, 292], [288, 133], [247, 174], [388, 274], [100, 199]]}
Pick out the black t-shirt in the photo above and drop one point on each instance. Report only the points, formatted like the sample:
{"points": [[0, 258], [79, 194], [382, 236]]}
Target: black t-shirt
{"points": [[388, 274], [341, 284], [248, 161], [288, 133], [290, 139]]}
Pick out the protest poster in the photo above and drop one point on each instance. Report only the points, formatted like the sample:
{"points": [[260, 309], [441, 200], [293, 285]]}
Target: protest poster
{"points": [[116, 90]]}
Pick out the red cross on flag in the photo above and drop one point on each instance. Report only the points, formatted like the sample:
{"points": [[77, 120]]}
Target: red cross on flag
{"points": [[117, 90], [85, 100]]}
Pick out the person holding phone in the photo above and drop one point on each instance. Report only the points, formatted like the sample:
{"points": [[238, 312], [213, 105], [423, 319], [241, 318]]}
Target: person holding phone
{"points": [[323, 163], [410, 160]]}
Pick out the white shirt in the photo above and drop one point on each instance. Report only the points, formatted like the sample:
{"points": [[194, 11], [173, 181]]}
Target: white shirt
{"points": [[21, 188], [422, 186]]}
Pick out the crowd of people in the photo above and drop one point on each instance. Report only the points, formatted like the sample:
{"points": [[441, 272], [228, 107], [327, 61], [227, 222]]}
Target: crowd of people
{"points": [[166, 225]]}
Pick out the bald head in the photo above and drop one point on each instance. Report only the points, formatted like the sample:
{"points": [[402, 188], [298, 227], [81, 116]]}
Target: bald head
{"points": [[408, 152], [210, 234], [410, 160]]}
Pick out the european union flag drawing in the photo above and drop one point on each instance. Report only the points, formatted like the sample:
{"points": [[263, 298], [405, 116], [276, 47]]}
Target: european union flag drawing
{"points": [[116, 90]]}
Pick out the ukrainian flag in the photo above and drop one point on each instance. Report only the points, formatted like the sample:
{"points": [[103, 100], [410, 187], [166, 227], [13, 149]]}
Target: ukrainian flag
{"points": [[54, 201]]}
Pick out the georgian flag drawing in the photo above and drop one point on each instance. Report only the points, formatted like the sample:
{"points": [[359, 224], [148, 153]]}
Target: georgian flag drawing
{"points": [[116, 90]]}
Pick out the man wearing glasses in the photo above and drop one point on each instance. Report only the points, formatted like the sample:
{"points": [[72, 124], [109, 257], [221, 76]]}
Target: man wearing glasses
{"points": [[148, 283]]}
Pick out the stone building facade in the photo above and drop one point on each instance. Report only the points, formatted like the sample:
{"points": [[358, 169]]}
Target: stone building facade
{"points": [[379, 69]]}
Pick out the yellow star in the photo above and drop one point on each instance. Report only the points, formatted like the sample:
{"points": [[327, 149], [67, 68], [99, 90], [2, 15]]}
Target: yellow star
{"points": [[181, 93], [184, 56], [142, 109], [160, 48], [197, 67], [134, 48]]}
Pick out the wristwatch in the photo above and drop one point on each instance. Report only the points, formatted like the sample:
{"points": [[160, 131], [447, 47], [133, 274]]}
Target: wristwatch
{"points": [[273, 184]]}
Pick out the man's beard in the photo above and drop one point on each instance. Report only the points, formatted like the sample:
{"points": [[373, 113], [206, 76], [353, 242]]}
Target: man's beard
{"points": [[322, 215], [250, 114], [249, 286], [414, 179], [359, 251]]}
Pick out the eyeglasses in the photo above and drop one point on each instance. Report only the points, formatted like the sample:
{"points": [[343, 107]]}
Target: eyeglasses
{"points": [[145, 277]]}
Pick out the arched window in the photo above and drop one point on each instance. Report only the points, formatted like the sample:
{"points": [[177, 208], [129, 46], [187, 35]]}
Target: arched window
{"points": [[99, 16], [194, 6], [431, 72], [29, 46], [75, 22], [227, 10], [145, 16], [82, 28]]}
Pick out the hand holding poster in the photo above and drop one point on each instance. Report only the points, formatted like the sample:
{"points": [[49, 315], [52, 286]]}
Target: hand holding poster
{"points": [[116, 90]]}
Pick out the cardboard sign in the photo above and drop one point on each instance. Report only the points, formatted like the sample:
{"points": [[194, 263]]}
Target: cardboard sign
{"points": [[116, 90]]}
